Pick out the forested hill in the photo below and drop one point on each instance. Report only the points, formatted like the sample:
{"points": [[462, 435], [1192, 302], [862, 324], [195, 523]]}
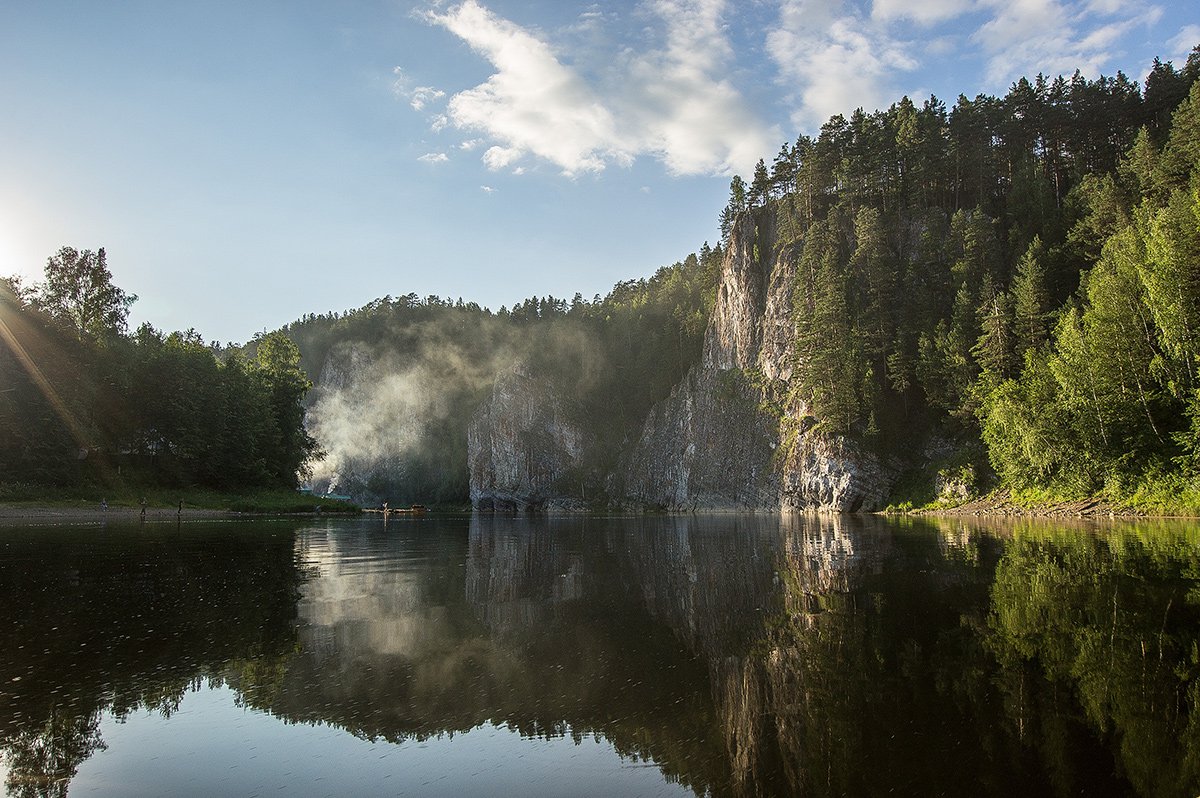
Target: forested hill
{"points": [[1024, 271], [1006, 291], [952, 263], [399, 379]]}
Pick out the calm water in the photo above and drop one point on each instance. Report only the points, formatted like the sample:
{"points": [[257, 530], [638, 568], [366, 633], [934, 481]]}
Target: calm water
{"points": [[685, 656]]}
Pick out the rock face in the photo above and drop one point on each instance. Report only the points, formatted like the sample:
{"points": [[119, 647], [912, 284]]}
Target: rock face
{"points": [[729, 437], [522, 451]]}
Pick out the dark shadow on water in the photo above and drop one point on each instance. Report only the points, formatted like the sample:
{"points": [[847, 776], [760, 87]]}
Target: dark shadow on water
{"points": [[742, 655]]}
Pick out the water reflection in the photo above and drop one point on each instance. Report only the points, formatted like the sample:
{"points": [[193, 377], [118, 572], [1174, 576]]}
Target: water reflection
{"points": [[741, 655], [96, 621]]}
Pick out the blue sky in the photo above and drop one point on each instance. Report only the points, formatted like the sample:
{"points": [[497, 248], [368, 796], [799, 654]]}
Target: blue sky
{"points": [[247, 163]]}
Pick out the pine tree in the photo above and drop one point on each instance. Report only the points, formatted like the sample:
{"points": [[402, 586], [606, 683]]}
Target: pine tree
{"points": [[737, 205], [1031, 302]]}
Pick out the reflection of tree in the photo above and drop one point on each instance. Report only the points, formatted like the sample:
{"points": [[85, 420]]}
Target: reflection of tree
{"points": [[743, 656], [123, 620], [42, 759], [1108, 623], [542, 632]]}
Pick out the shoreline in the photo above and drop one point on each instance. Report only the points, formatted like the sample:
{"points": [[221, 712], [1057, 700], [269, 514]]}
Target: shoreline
{"points": [[41, 513], [1001, 505]]}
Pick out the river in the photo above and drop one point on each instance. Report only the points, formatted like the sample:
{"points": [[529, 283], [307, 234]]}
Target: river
{"points": [[723, 655]]}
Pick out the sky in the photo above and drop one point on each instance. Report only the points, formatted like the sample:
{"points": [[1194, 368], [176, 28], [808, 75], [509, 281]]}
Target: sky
{"points": [[244, 164]]}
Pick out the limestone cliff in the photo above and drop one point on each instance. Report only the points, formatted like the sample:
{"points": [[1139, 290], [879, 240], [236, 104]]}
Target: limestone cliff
{"points": [[522, 450], [733, 435]]}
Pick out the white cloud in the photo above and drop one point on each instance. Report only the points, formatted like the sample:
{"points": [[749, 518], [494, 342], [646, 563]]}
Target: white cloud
{"points": [[1181, 45], [497, 158], [1025, 37], [680, 104], [418, 96], [924, 12], [434, 157], [532, 103], [674, 104], [422, 95], [470, 144], [838, 60], [488, 189]]}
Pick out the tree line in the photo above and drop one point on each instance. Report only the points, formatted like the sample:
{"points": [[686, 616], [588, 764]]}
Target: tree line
{"points": [[1017, 274], [1020, 274], [606, 360], [86, 402]]}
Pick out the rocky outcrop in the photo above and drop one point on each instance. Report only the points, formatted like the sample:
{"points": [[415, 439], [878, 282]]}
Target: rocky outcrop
{"points": [[523, 452], [732, 435]]}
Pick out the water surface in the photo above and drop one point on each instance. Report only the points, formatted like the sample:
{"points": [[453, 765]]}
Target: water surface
{"points": [[730, 655]]}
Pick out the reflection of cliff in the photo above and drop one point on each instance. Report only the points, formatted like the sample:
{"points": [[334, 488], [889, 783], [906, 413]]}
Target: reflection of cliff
{"points": [[121, 620], [537, 632], [743, 655], [723, 586]]}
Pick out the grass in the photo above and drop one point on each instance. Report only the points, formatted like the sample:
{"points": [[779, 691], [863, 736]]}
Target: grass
{"points": [[1169, 494], [275, 501]]}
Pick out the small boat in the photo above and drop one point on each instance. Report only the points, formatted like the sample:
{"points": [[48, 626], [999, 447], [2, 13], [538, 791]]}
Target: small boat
{"points": [[416, 509]]}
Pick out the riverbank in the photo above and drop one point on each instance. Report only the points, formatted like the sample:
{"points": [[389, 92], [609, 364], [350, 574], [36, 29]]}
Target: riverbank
{"points": [[1005, 503], [27, 504], [40, 514]]}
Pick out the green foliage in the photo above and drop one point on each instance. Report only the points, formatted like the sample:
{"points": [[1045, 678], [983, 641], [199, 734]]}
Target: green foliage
{"points": [[1103, 618], [1021, 269], [78, 292], [87, 404]]}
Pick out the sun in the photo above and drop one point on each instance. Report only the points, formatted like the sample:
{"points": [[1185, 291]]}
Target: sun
{"points": [[16, 260]]}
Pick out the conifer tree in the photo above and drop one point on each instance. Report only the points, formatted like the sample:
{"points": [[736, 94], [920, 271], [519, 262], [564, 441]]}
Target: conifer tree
{"points": [[1031, 302]]}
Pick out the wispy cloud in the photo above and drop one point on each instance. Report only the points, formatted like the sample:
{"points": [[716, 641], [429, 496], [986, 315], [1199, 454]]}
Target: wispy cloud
{"points": [[837, 59], [679, 104], [533, 103], [417, 96], [583, 98], [434, 157], [671, 103], [924, 12], [1054, 37], [1181, 45]]}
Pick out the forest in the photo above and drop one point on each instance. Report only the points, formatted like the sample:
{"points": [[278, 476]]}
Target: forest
{"points": [[1017, 274], [85, 402]]}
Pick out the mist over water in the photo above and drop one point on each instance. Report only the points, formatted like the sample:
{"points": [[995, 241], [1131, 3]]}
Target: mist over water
{"points": [[392, 423]]}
